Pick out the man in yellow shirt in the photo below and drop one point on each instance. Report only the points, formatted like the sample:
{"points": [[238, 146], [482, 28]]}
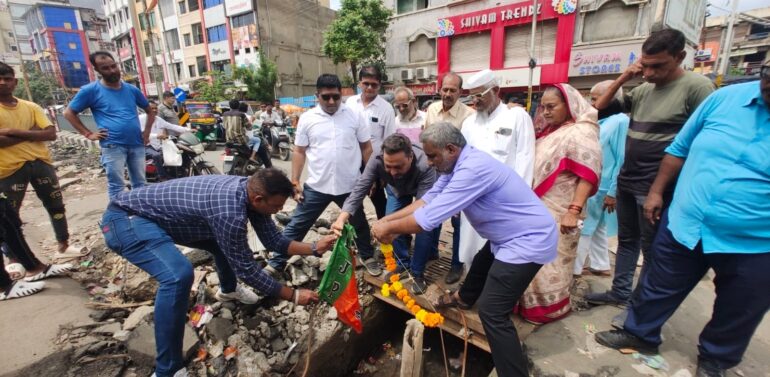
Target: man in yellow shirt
{"points": [[25, 159]]}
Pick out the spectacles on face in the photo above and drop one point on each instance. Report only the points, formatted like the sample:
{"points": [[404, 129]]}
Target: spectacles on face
{"points": [[402, 106], [369, 84], [764, 72], [479, 96], [327, 97]]}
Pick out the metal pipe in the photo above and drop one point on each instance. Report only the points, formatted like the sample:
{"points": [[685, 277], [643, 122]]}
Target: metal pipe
{"points": [[532, 61]]}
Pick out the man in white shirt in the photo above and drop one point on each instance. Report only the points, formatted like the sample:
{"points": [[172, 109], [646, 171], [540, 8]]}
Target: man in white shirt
{"points": [[269, 118], [505, 134], [161, 129], [334, 141], [378, 115], [410, 120]]}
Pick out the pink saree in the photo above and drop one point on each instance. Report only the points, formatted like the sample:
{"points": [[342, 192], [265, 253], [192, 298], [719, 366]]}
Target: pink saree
{"points": [[563, 155]]}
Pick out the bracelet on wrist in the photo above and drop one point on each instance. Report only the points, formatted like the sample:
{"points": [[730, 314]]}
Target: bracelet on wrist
{"points": [[575, 208]]}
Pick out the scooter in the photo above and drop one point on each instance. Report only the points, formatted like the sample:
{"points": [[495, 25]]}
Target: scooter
{"points": [[192, 160], [207, 134], [236, 160], [278, 139]]}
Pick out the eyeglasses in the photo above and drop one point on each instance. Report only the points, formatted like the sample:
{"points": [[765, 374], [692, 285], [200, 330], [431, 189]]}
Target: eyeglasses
{"points": [[370, 84], [764, 72], [481, 95], [401, 106], [327, 97]]}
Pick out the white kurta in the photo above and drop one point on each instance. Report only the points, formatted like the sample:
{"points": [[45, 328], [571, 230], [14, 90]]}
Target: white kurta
{"points": [[508, 135]]}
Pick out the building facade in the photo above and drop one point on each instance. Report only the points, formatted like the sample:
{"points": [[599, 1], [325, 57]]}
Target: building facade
{"points": [[750, 44], [577, 42], [61, 38]]}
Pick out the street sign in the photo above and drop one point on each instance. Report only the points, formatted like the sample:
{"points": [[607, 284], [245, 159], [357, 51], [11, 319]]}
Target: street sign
{"points": [[180, 95]]}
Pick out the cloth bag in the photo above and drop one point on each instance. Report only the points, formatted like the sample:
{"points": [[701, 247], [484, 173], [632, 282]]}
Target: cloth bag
{"points": [[171, 155]]}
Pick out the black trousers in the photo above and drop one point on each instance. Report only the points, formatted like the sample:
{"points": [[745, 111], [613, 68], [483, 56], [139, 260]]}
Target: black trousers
{"points": [[497, 286], [742, 298], [10, 233]]}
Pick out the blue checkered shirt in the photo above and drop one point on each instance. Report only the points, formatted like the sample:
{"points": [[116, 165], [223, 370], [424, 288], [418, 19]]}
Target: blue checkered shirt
{"points": [[205, 208]]}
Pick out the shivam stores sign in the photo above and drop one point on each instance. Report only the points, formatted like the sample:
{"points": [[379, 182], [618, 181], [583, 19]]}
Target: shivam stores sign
{"points": [[504, 33]]}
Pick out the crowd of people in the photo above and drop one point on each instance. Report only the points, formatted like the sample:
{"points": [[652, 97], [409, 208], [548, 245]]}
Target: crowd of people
{"points": [[531, 200]]}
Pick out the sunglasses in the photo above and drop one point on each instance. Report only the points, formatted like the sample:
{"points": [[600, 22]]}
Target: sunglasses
{"points": [[764, 72], [481, 95], [327, 97]]}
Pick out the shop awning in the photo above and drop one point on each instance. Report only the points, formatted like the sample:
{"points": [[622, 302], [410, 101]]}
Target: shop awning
{"points": [[745, 51]]}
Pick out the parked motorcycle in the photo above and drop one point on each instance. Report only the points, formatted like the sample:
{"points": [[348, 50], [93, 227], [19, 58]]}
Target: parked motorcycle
{"points": [[207, 134], [192, 160], [237, 162], [277, 139]]}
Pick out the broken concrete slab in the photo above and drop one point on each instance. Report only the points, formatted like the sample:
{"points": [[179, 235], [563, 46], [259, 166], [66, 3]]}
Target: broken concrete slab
{"points": [[220, 328], [68, 181], [108, 329], [141, 344], [137, 316]]}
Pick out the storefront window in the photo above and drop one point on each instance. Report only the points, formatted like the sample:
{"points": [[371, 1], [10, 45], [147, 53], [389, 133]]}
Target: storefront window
{"points": [[406, 6], [612, 21]]}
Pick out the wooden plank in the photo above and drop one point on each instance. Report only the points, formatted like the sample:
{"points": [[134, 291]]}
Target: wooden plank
{"points": [[453, 324]]}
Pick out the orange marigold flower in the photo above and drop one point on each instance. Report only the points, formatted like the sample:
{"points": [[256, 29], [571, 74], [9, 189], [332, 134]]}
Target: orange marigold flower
{"points": [[394, 278]]}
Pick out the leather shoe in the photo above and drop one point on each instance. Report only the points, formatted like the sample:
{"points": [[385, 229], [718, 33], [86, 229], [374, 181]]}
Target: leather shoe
{"points": [[708, 368], [604, 298], [619, 339], [454, 275]]}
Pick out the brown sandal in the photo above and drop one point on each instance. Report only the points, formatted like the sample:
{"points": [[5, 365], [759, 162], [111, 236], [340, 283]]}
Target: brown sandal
{"points": [[448, 300]]}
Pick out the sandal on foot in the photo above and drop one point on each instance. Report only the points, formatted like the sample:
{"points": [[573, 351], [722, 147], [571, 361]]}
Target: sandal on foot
{"points": [[15, 271], [72, 252], [21, 289], [50, 270], [448, 300]]}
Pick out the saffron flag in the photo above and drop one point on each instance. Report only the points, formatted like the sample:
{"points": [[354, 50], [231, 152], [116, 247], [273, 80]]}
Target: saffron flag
{"points": [[338, 285]]}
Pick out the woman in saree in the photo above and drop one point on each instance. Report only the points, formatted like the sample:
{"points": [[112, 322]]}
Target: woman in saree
{"points": [[568, 160]]}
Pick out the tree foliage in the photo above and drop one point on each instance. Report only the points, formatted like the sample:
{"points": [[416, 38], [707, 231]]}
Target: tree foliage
{"points": [[357, 35], [213, 89], [41, 85], [260, 81]]}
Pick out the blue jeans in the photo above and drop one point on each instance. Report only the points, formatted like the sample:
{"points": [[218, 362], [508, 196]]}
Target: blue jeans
{"points": [[255, 142], [308, 211], [456, 241], [739, 307], [425, 243], [115, 158], [149, 247], [634, 233], [157, 158]]}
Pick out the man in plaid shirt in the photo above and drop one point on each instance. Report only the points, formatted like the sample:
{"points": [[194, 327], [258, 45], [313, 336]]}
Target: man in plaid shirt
{"points": [[210, 213]]}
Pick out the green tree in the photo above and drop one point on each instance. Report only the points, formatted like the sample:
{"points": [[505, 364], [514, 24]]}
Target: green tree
{"points": [[357, 35], [259, 81], [41, 85], [213, 89]]}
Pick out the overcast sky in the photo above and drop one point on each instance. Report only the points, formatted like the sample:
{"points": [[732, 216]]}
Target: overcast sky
{"points": [[742, 6]]}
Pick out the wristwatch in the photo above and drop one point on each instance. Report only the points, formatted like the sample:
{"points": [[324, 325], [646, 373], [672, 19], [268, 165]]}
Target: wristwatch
{"points": [[314, 249]]}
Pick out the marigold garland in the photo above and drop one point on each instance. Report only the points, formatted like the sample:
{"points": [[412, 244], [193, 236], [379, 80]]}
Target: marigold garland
{"points": [[429, 319]]}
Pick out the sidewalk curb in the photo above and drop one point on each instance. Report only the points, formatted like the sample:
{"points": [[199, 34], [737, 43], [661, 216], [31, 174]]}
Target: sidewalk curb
{"points": [[72, 138]]}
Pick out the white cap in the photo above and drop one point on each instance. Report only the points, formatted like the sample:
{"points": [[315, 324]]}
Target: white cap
{"points": [[481, 78]]}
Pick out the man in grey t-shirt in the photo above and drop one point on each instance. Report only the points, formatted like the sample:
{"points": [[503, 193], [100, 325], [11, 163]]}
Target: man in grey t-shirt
{"points": [[166, 109], [404, 169]]}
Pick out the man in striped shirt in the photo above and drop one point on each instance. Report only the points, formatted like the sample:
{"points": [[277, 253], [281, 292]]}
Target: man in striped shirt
{"points": [[658, 110]]}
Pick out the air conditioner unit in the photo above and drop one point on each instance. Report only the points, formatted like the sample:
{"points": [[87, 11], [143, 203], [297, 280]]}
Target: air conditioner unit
{"points": [[422, 73], [407, 74]]}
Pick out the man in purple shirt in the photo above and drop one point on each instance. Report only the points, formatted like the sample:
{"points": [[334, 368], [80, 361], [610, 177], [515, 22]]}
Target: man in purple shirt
{"points": [[503, 209]]}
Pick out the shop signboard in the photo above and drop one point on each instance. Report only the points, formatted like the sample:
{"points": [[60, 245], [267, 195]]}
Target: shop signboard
{"points": [[245, 37], [236, 7], [605, 60]]}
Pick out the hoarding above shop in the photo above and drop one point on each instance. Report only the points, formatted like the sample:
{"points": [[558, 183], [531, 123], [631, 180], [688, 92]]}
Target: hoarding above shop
{"points": [[603, 60], [502, 23], [236, 7]]}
